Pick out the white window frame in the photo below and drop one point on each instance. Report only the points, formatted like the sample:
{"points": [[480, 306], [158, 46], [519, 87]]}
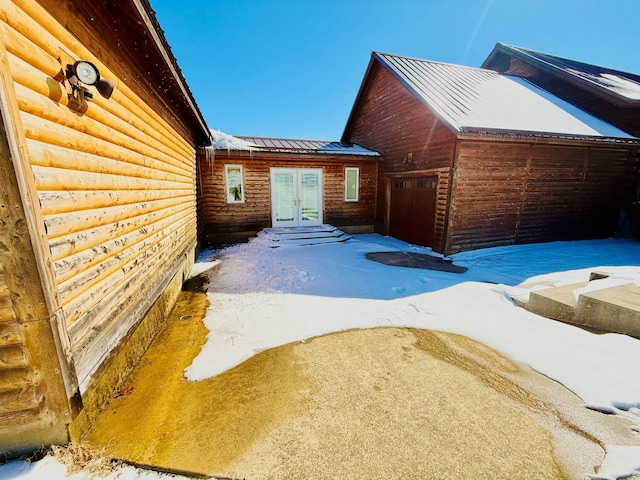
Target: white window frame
{"points": [[346, 186], [228, 187]]}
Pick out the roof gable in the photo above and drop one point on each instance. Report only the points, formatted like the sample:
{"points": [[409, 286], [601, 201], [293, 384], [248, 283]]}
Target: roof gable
{"points": [[470, 99], [621, 88]]}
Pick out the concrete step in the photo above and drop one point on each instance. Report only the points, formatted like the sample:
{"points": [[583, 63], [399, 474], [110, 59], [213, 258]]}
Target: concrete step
{"points": [[605, 305], [276, 237], [614, 309], [558, 303], [343, 237], [298, 235], [290, 230]]}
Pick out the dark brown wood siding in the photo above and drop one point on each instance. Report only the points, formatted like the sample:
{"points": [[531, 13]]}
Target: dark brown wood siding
{"points": [[625, 118], [255, 213], [488, 185], [387, 118], [509, 193]]}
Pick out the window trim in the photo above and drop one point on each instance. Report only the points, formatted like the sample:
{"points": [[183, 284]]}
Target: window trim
{"points": [[229, 196], [346, 186]]}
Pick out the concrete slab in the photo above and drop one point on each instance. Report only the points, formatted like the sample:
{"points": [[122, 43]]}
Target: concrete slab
{"points": [[558, 303], [615, 309]]}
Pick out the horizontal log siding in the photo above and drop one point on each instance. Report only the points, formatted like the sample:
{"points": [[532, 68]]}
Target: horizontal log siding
{"points": [[338, 212], [508, 193], [489, 181], [387, 118], [255, 213], [116, 186], [442, 204], [17, 390], [573, 193]]}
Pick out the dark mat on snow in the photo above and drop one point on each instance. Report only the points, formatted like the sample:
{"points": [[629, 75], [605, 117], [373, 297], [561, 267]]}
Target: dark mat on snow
{"points": [[415, 260]]}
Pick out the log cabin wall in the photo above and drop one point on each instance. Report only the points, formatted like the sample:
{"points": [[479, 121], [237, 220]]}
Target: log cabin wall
{"points": [[38, 388], [412, 141], [489, 181], [511, 193], [34, 401], [18, 387], [115, 185], [227, 222]]}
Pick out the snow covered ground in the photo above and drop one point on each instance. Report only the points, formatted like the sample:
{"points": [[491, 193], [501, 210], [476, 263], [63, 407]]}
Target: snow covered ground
{"points": [[50, 468], [262, 298]]}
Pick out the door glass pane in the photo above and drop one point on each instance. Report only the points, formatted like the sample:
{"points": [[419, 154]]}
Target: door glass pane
{"points": [[310, 209], [284, 189], [351, 184], [402, 184], [233, 174]]}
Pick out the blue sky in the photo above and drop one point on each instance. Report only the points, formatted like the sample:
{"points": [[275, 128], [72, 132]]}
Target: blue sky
{"points": [[292, 68]]}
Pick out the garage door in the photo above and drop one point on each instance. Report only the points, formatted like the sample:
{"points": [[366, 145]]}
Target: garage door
{"points": [[413, 209]]}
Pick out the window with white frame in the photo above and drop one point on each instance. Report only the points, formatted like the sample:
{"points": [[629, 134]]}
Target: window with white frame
{"points": [[234, 183], [351, 184]]}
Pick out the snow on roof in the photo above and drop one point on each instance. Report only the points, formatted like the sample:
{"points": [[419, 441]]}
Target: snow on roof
{"points": [[224, 141], [602, 79], [613, 82], [287, 145], [474, 99]]}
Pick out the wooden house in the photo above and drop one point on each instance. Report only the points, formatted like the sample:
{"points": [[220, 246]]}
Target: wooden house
{"points": [[606, 93], [475, 158], [254, 183], [98, 146]]}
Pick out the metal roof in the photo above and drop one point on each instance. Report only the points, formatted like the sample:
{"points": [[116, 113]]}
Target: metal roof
{"points": [[622, 86], [287, 145], [472, 99]]}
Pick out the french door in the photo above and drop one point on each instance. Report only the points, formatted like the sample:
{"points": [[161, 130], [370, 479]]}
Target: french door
{"points": [[296, 197]]}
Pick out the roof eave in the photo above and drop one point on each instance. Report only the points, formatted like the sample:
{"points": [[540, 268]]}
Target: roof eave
{"points": [[283, 154], [149, 18], [374, 155], [356, 103], [493, 133]]}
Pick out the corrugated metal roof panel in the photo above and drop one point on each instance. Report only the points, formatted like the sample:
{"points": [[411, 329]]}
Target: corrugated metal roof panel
{"points": [[288, 145], [468, 98]]}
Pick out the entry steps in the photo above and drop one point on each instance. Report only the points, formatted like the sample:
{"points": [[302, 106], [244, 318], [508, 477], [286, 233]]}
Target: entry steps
{"points": [[597, 304], [276, 237]]}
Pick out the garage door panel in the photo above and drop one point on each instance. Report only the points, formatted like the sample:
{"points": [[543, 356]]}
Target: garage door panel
{"points": [[413, 207]]}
